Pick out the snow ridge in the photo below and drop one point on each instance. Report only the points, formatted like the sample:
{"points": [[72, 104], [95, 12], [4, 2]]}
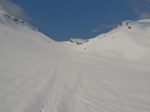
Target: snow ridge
{"points": [[129, 40], [6, 17]]}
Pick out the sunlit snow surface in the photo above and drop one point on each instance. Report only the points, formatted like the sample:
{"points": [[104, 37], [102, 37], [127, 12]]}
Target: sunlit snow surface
{"points": [[109, 73]]}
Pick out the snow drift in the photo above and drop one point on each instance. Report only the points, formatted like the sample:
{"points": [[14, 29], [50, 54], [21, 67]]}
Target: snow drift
{"points": [[109, 73]]}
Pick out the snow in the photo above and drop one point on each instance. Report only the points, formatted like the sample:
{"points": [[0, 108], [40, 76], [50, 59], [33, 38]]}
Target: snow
{"points": [[78, 41], [109, 73]]}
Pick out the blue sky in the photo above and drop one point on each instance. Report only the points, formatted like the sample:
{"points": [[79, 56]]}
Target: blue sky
{"points": [[64, 19]]}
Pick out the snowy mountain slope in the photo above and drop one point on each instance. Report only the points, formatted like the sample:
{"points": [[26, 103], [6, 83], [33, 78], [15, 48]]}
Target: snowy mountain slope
{"points": [[129, 41], [7, 18], [109, 73], [23, 59]]}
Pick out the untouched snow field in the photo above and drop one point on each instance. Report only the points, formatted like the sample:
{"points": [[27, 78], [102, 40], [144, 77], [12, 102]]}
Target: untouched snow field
{"points": [[109, 73]]}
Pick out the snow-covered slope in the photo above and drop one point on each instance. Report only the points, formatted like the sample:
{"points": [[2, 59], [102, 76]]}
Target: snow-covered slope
{"points": [[109, 73], [129, 40]]}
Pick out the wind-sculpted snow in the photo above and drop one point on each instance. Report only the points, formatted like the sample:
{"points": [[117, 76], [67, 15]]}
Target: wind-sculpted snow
{"points": [[109, 73]]}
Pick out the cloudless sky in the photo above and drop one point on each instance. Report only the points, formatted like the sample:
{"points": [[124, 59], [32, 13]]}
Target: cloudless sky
{"points": [[64, 19]]}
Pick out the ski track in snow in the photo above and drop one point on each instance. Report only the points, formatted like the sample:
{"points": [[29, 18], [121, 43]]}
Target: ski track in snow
{"points": [[103, 74], [106, 94]]}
